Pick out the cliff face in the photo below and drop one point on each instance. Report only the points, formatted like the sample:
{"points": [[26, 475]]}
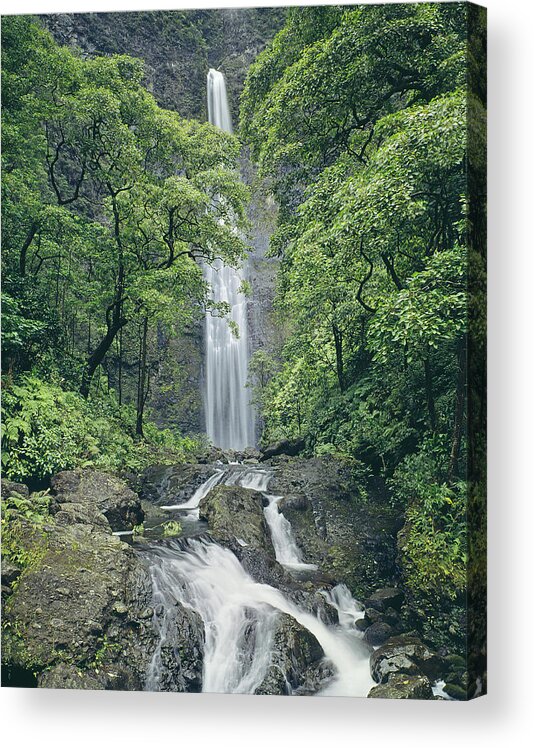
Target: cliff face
{"points": [[178, 48]]}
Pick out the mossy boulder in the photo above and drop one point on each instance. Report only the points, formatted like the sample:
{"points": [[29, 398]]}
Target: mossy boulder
{"points": [[401, 686], [65, 608], [236, 513], [407, 655], [83, 494]]}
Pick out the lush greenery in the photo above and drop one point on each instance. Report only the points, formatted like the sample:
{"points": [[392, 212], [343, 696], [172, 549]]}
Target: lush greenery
{"points": [[367, 124], [358, 117], [109, 205]]}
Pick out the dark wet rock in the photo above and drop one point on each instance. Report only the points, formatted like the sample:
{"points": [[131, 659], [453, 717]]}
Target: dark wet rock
{"points": [[372, 616], [66, 675], [361, 624], [294, 502], [296, 661], [455, 662], [407, 655], [69, 513], [391, 616], [10, 572], [179, 656], [400, 686], [455, 691], [389, 597], [290, 447], [378, 633], [348, 529], [94, 491], [165, 485], [236, 512]]}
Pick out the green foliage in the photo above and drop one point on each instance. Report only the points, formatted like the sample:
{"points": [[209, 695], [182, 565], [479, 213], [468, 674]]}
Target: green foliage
{"points": [[23, 540], [46, 429], [358, 116], [172, 529], [109, 202], [433, 543]]}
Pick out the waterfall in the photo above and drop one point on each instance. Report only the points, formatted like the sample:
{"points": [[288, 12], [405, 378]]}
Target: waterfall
{"points": [[240, 618], [286, 550], [240, 615], [228, 412]]}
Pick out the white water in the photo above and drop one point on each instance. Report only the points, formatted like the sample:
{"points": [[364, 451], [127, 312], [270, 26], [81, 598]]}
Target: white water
{"points": [[228, 412], [286, 550], [240, 615], [240, 618], [191, 504]]}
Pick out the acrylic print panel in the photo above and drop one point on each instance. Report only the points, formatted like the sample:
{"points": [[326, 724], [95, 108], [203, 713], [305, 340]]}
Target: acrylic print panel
{"points": [[244, 351]]}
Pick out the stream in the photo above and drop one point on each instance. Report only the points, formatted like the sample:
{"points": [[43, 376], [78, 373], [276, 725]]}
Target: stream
{"points": [[240, 615]]}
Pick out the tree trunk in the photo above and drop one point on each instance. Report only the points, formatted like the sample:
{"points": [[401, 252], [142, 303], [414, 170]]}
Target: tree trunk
{"points": [[24, 250], [120, 368], [114, 319], [141, 382], [338, 341], [114, 323]]}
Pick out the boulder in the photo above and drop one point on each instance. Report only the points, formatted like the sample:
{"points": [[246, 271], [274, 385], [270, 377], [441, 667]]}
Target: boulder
{"points": [[389, 597], [378, 633], [455, 691], [296, 661], [233, 512], [294, 502], [290, 447], [10, 487], [407, 655], [10, 572], [94, 491], [164, 485], [372, 616], [74, 618], [401, 686], [177, 662]]}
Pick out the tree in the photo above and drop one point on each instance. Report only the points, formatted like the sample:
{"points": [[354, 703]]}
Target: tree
{"points": [[112, 206]]}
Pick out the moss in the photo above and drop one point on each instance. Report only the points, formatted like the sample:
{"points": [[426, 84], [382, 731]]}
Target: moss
{"points": [[172, 529]]}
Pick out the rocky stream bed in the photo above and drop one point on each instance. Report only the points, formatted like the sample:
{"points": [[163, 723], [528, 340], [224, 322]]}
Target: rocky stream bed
{"points": [[86, 607]]}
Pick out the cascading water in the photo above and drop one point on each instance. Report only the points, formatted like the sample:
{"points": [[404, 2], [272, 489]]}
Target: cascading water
{"points": [[240, 615], [286, 550], [228, 412]]}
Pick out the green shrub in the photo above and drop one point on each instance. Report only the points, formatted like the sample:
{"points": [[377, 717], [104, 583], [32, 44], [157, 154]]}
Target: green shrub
{"points": [[46, 429], [433, 542]]}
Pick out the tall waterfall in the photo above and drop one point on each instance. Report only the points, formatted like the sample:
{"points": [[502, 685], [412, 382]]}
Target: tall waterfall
{"points": [[229, 414]]}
